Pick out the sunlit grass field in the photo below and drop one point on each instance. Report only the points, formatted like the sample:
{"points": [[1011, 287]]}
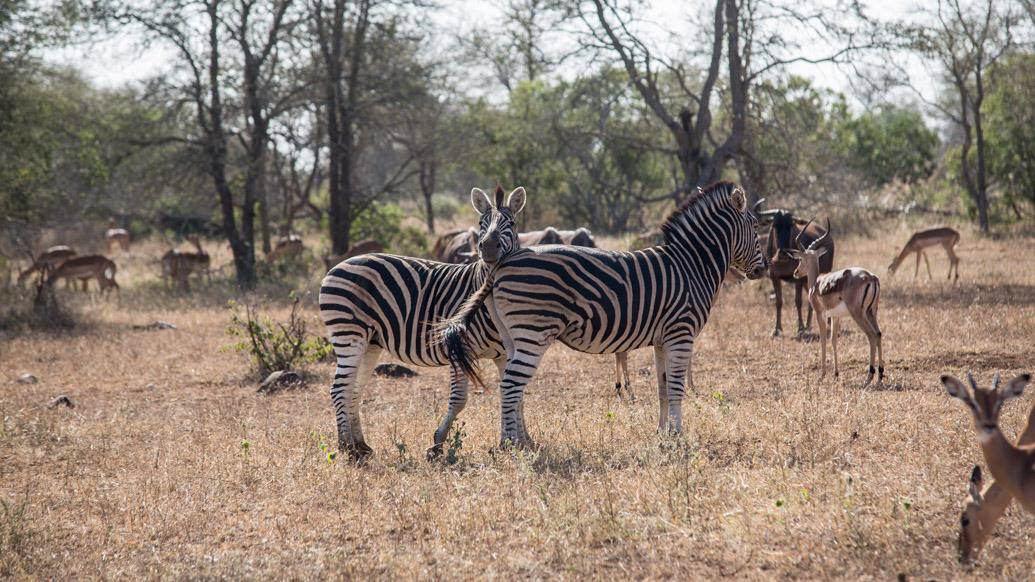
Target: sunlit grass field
{"points": [[170, 465]]}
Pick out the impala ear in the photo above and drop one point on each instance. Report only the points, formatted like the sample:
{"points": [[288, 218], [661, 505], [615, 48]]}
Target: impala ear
{"points": [[739, 199], [480, 200], [821, 251], [956, 389], [516, 200], [795, 253], [1016, 387], [974, 486]]}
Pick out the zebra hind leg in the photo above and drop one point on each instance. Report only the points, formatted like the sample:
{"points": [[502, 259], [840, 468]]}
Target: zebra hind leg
{"points": [[458, 389], [677, 362], [355, 363]]}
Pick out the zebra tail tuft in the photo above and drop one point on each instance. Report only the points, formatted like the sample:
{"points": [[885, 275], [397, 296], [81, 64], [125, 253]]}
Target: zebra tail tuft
{"points": [[455, 334]]}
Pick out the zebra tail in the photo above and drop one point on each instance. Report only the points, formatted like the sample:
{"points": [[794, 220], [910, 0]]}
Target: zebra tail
{"points": [[455, 335]]}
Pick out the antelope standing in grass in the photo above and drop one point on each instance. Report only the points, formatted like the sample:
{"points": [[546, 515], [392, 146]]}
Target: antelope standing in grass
{"points": [[288, 247], [1009, 463], [921, 240], [786, 231], [48, 259], [182, 264], [116, 237], [853, 291], [84, 268]]}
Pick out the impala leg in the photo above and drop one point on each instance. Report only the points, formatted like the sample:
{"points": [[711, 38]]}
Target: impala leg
{"points": [[864, 323], [677, 362], [927, 262], [659, 367], [798, 286], [779, 305], [458, 389], [821, 321], [835, 324], [916, 272], [620, 362]]}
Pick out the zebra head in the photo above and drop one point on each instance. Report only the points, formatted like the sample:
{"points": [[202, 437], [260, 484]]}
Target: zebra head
{"points": [[747, 255], [497, 233]]}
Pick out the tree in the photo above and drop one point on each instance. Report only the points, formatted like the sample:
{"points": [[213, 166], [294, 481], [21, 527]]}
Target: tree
{"points": [[231, 57], [1011, 129], [967, 41], [891, 143]]}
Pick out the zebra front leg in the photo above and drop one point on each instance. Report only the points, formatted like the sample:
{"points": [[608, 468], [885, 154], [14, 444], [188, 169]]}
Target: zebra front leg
{"points": [[458, 389], [659, 368], [677, 362]]}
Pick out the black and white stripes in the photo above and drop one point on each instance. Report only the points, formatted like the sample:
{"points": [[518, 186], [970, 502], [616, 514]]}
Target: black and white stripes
{"points": [[606, 302], [385, 302]]}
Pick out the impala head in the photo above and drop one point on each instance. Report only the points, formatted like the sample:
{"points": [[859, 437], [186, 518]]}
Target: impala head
{"points": [[497, 233], [808, 258], [973, 529], [985, 405]]}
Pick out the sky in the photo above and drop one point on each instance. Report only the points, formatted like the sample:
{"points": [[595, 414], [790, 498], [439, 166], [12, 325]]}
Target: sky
{"points": [[121, 60]]}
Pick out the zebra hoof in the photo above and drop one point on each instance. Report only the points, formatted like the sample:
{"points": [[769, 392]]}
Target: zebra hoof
{"points": [[358, 452], [434, 452]]}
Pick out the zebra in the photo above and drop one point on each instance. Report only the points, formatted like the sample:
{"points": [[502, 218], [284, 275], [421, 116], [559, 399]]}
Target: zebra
{"points": [[380, 302], [599, 301]]}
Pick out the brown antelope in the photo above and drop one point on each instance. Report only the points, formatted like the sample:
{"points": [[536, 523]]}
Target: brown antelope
{"points": [[48, 259], [288, 247], [116, 237], [182, 264], [1009, 463], [84, 268], [853, 291], [921, 240], [779, 242]]}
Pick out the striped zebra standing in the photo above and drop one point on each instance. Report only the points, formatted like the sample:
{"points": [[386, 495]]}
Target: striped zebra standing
{"points": [[385, 302], [601, 302]]}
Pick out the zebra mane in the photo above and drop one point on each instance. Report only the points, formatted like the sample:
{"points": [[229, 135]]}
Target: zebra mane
{"points": [[700, 197]]}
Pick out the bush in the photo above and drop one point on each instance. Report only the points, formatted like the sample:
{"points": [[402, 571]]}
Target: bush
{"points": [[383, 223], [273, 345], [444, 206]]}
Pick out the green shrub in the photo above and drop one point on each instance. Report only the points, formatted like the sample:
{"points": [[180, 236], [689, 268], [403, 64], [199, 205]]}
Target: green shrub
{"points": [[445, 206], [383, 223], [274, 345]]}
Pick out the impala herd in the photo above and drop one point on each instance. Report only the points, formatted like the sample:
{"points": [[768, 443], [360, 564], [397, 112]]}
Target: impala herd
{"points": [[798, 252]]}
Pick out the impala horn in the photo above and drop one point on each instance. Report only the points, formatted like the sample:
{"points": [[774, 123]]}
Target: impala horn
{"points": [[797, 239]]}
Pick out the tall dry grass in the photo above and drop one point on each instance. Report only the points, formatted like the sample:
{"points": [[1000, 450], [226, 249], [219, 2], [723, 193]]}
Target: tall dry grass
{"points": [[171, 466]]}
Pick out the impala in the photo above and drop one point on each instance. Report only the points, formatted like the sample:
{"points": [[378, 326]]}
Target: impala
{"points": [[116, 237], [48, 259], [86, 267], [947, 237], [854, 292], [288, 247], [1009, 463]]}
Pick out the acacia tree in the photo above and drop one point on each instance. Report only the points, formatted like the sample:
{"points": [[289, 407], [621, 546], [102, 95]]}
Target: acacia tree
{"points": [[231, 59], [967, 42], [747, 42]]}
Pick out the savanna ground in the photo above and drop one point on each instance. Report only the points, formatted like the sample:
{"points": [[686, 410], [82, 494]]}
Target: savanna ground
{"points": [[171, 465]]}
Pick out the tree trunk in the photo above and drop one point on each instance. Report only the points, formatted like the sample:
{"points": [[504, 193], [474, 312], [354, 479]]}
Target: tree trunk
{"points": [[427, 189], [979, 134]]}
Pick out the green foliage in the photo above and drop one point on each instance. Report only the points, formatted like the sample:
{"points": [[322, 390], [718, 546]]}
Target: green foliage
{"points": [[1010, 129], [445, 207], [891, 143], [274, 345], [383, 222]]}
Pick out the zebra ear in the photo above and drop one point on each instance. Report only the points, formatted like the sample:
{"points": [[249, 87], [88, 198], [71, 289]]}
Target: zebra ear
{"points": [[739, 199], [516, 200], [480, 200]]}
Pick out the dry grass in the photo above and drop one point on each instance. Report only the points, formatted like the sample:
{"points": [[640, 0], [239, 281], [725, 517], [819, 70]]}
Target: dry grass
{"points": [[778, 475]]}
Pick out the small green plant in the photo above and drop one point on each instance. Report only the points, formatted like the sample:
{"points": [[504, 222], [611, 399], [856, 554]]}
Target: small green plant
{"points": [[246, 446], [456, 443], [274, 345]]}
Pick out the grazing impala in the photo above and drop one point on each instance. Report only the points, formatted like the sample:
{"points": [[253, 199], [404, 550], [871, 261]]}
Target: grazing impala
{"points": [[288, 247], [853, 291], [947, 237], [48, 259], [1010, 464], [116, 237], [86, 267], [182, 264]]}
